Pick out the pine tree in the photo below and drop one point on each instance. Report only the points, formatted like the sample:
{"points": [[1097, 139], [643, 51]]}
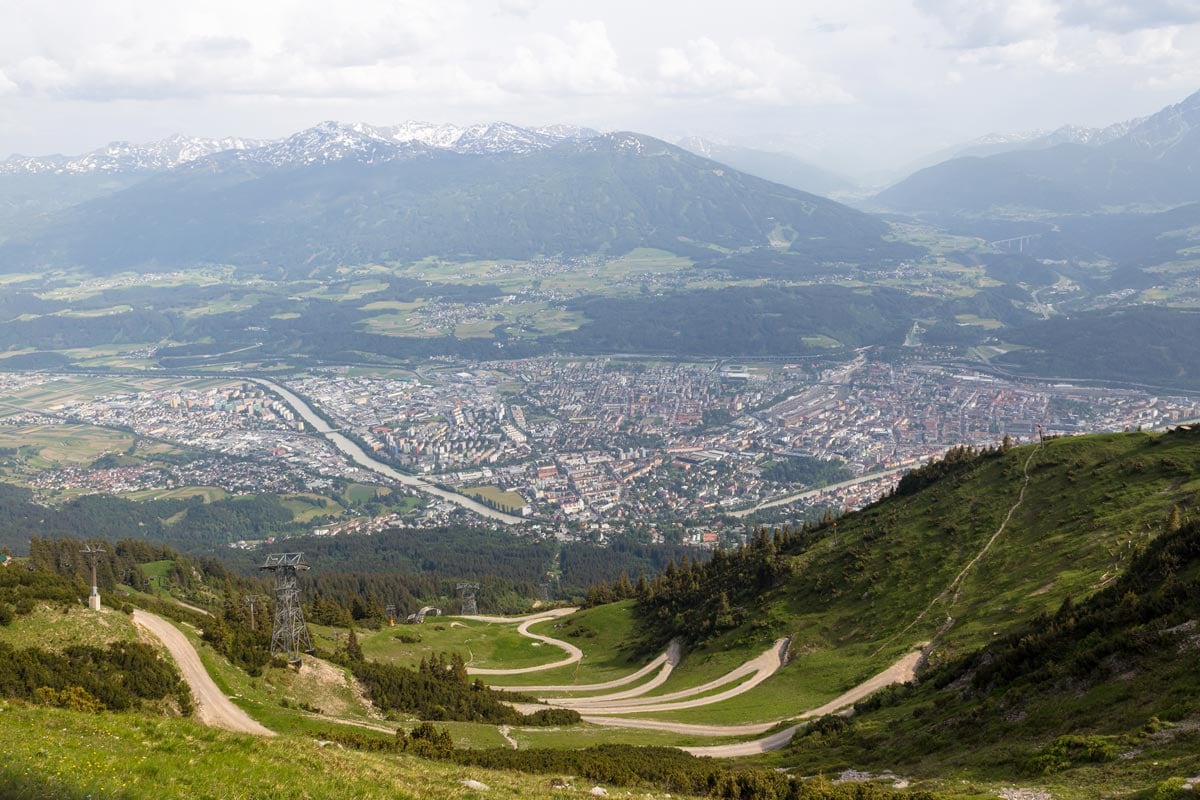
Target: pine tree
{"points": [[354, 653]]}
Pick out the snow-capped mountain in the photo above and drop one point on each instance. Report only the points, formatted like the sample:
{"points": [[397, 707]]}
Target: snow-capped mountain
{"points": [[334, 141], [327, 142], [1160, 135], [127, 157]]}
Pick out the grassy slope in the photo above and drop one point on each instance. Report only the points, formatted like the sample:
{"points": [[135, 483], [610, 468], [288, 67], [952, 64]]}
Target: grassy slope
{"points": [[482, 644], [856, 586], [1119, 670], [54, 627], [133, 757]]}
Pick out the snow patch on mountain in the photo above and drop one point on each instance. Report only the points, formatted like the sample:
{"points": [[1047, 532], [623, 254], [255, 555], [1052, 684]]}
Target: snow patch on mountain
{"points": [[323, 143], [127, 157]]}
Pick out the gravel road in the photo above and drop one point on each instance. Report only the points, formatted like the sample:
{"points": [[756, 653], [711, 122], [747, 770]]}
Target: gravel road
{"points": [[574, 654], [757, 670], [212, 706], [902, 671]]}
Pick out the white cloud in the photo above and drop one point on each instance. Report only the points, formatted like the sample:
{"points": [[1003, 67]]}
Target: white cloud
{"points": [[6, 85], [1124, 16], [753, 71], [973, 24], [1145, 48], [519, 8], [583, 62], [324, 33], [1044, 54]]}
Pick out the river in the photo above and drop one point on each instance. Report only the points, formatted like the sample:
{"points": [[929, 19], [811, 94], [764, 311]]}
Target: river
{"points": [[360, 457]]}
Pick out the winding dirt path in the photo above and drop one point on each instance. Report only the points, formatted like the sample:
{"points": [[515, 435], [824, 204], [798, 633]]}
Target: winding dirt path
{"points": [[537, 615], [574, 654], [756, 669], [667, 661], [902, 671], [213, 708]]}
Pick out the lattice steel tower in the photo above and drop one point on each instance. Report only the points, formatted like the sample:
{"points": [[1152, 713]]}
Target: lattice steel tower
{"points": [[290, 635], [468, 590]]}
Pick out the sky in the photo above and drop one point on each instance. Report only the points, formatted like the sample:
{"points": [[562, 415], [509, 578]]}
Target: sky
{"points": [[860, 86]]}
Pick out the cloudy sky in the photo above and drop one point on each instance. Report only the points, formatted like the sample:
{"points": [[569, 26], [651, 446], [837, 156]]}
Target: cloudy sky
{"points": [[858, 84]]}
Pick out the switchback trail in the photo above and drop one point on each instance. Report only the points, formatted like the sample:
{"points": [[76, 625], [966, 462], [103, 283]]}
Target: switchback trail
{"points": [[958, 579], [757, 670], [902, 671], [666, 661], [574, 654], [213, 708]]}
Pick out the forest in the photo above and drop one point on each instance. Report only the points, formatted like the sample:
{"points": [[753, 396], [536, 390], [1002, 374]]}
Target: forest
{"points": [[806, 471], [198, 525]]}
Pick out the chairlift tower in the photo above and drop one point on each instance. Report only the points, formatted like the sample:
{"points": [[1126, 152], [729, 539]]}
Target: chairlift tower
{"points": [[289, 637], [469, 605], [93, 553]]}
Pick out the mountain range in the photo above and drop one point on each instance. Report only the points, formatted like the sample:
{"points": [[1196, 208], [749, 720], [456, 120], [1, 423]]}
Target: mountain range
{"points": [[994, 144], [328, 141], [355, 193], [1150, 162]]}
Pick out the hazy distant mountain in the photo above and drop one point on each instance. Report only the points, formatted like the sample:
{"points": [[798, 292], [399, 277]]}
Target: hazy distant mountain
{"points": [[126, 157], [351, 193], [779, 167], [1153, 161], [994, 144]]}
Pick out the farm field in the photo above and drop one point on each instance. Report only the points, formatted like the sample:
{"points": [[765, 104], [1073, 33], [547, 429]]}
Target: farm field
{"points": [[507, 501]]}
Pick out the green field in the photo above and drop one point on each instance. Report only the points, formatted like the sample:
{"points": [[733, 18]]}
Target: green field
{"points": [[43, 446], [482, 644], [210, 494], [602, 633], [979, 322], [505, 500], [307, 506], [365, 493]]}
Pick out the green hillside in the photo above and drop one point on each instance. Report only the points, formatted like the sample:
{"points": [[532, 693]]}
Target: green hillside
{"points": [[930, 564], [1094, 697]]}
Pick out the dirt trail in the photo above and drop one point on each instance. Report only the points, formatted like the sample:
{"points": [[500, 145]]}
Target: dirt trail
{"points": [[212, 706], [550, 614], [682, 727], [757, 669], [574, 654], [902, 671], [668, 661], [958, 579]]}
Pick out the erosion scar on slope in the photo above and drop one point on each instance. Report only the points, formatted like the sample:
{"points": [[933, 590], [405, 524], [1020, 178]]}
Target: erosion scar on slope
{"points": [[958, 579]]}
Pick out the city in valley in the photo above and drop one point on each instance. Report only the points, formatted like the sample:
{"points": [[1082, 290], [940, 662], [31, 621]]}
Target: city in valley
{"points": [[570, 446]]}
